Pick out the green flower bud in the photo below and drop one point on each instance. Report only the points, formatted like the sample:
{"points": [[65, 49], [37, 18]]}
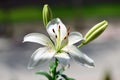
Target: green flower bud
{"points": [[47, 14], [94, 32]]}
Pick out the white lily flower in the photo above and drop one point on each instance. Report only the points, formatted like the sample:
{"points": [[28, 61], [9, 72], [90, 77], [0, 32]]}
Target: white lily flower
{"points": [[58, 45]]}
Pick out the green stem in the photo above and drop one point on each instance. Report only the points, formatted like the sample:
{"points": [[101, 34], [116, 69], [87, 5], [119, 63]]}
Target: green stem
{"points": [[54, 72]]}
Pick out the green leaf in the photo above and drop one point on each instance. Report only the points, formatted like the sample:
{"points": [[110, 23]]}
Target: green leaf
{"points": [[66, 77], [52, 66], [45, 74], [60, 71], [71, 79]]}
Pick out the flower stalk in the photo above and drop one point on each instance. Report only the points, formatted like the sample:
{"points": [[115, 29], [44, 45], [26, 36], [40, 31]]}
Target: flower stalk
{"points": [[54, 71]]}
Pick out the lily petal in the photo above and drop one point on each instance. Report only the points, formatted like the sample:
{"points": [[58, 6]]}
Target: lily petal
{"points": [[79, 56], [63, 58], [54, 24], [74, 37], [38, 38], [40, 56]]}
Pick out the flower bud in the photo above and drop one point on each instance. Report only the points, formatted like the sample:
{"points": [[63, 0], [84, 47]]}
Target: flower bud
{"points": [[47, 14], [94, 32]]}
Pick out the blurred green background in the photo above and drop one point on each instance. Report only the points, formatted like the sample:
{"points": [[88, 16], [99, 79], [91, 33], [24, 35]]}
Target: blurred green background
{"points": [[33, 12], [20, 17]]}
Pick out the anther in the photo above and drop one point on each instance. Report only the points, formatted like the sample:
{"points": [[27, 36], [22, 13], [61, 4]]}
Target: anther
{"points": [[68, 29], [65, 37], [68, 33], [56, 36], [59, 27], [53, 30]]}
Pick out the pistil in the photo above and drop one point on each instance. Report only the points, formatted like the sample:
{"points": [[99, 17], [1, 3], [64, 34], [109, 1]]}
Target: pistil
{"points": [[58, 39]]}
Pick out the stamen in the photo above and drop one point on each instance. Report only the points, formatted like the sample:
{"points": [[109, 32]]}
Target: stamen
{"points": [[54, 33], [56, 36], [68, 29], [59, 32], [68, 33], [65, 37], [59, 27], [53, 30]]}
